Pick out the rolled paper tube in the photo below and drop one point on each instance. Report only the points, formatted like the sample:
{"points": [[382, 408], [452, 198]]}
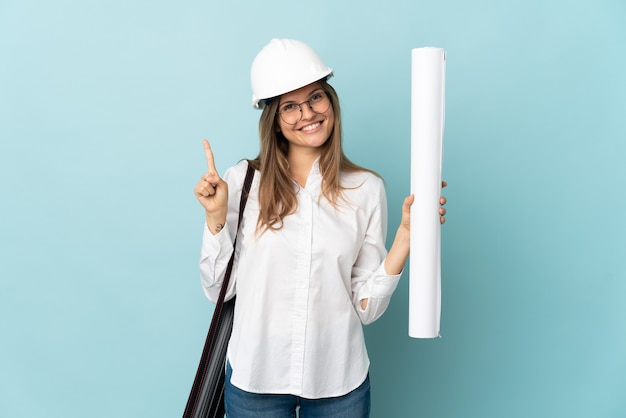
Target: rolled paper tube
{"points": [[427, 123]]}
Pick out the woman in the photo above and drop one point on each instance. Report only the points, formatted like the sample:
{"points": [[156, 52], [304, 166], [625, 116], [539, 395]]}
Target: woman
{"points": [[310, 264]]}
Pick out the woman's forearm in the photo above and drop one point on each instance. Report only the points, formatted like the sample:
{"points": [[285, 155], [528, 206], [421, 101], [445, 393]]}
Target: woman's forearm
{"points": [[399, 251]]}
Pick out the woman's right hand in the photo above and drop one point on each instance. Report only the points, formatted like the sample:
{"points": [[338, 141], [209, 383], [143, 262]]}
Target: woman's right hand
{"points": [[212, 193]]}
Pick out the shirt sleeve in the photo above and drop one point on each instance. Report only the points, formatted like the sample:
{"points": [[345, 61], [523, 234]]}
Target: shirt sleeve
{"points": [[369, 278], [216, 250]]}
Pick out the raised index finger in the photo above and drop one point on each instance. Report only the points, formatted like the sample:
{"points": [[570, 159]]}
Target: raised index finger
{"points": [[209, 156]]}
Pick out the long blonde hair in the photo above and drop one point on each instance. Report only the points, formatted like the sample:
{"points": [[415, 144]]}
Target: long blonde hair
{"points": [[277, 195]]}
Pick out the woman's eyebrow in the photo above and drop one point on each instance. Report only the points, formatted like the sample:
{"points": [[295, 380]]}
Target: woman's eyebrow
{"points": [[315, 90]]}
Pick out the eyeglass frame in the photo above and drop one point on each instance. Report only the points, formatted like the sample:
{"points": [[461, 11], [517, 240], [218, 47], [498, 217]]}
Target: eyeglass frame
{"points": [[308, 102]]}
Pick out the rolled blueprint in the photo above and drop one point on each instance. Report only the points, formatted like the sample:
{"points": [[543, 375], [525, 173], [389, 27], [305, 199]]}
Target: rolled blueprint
{"points": [[427, 122]]}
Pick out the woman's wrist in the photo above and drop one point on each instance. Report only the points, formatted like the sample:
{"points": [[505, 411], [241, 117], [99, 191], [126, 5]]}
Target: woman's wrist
{"points": [[215, 222]]}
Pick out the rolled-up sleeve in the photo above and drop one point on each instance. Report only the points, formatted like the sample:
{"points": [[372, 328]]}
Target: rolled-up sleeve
{"points": [[378, 290], [214, 255]]}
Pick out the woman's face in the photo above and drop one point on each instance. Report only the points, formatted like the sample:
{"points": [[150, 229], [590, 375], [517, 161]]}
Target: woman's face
{"points": [[315, 125]]}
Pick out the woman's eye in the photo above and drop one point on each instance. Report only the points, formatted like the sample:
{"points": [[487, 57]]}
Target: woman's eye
{"points": [[290, 107], [316, 97]]}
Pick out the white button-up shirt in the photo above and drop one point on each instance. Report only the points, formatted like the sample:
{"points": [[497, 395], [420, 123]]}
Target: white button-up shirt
{"points": [[298, 320]]}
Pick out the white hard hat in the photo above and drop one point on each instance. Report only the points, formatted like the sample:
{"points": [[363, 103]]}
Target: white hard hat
{"points": [[284, 65]]}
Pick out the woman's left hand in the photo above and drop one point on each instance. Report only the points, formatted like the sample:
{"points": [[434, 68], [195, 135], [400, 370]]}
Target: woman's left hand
{"points": [[442, 201], [399, 251], [406, 209]]}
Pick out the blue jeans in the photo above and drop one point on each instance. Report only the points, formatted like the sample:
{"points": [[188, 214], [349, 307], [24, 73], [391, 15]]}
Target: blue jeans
{"points": [[242, 404]]}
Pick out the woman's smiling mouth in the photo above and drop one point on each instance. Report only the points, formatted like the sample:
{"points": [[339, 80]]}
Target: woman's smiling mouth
{"points": [[310, 127]]}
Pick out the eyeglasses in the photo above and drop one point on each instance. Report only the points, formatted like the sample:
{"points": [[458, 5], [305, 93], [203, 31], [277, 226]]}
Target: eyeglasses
{"points": [[291, 113]]}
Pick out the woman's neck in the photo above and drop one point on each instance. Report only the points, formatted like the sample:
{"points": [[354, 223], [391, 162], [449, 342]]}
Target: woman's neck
{"points": [[300, 164]]}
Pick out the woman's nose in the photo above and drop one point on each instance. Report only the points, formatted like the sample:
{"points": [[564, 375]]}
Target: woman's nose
{"points": [[307, 110]]}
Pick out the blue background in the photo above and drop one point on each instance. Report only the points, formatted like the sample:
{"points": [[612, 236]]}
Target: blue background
{"points": [[103, 106]]}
